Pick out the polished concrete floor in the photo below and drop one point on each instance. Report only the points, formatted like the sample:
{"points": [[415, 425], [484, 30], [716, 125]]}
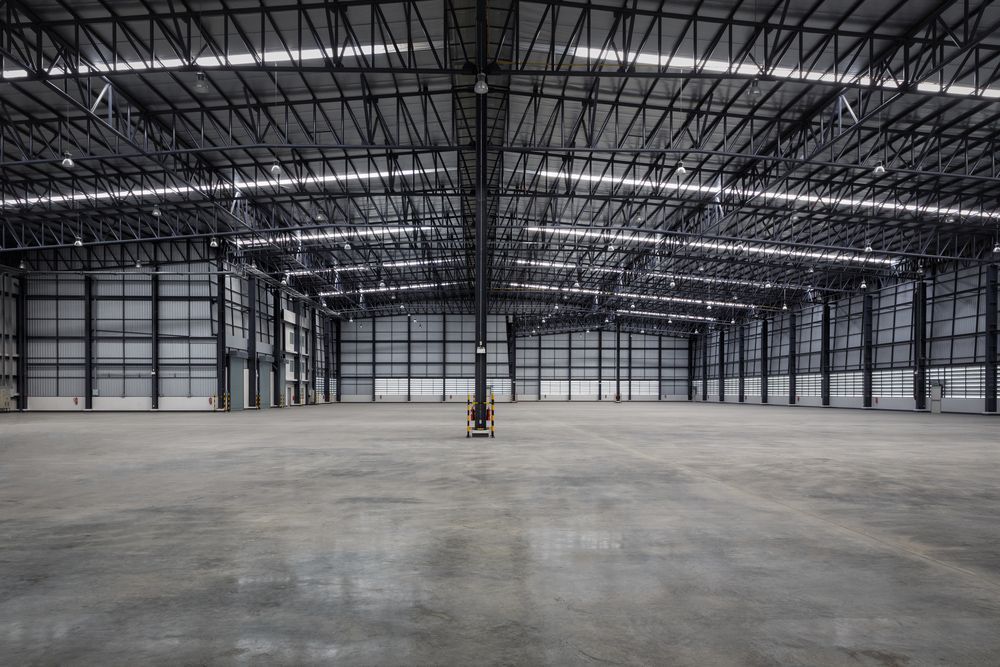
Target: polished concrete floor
{"points": [[587, 533]]}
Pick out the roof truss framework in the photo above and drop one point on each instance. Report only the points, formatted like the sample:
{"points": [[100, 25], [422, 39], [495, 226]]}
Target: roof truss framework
{"points": [[636, 151]]}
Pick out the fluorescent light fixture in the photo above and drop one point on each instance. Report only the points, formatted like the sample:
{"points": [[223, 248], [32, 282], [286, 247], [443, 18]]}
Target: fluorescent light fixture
{"points": [[272, 57], [403, 263], [217, 189], [716, 191], [391, 288], [325, 235], [687, 63], [631, 295], [718, 246], [672, 316]]}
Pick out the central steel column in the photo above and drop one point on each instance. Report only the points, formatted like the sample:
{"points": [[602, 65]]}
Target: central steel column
{"points": [[481, 289]]}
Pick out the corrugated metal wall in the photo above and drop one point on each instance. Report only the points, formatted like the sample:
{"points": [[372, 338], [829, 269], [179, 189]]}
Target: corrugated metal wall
{"points": [[956, 348]]}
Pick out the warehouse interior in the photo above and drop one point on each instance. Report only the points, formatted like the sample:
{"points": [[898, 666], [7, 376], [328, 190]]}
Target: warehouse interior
{"points": [[716, 283]]}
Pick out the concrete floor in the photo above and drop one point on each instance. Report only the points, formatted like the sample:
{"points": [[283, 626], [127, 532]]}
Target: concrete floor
{"points": [[669, 534]]}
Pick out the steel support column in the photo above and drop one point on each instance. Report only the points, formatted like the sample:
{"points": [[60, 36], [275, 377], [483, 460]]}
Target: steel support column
{"points": [[374, 345], [793, 322], [722, 366], [824, 356], [600, 364], [481, 286], [618, 361], [630, 366], [764, 353], [511, 332], [22, 343], [409, 356], [327, 357], [279, 349], [253, 377], [336, 360], [659, 368], [920, 345], [220, 341], [704, 367], [741, 362], [297, 341], [444, 357], [866, 351], [154, 353], [692, 353], [569, 366], [991, 338], [313, 359], [88, 342], [539, 367]]}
